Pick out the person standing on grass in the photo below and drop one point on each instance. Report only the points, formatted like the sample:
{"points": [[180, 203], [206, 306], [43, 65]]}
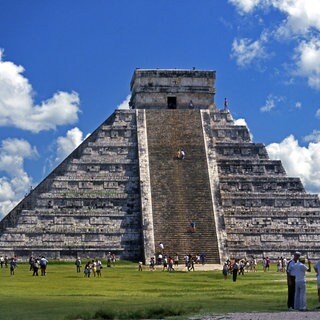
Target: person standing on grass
{"points": [[291, 280], [13, 264], [78, 264], [43, 265], [235, 269], [300, 295], [317, 270]]}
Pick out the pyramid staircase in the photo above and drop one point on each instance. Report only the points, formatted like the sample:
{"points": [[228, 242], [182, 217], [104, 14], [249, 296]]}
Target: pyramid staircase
{"points": [[180, 189]]}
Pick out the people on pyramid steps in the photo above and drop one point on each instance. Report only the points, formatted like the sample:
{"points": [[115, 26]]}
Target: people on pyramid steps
{"points": [[161, 246], [181, 154], [192, 226]]}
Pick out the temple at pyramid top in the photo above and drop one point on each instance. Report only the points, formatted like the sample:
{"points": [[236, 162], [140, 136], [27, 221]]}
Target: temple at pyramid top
{"points": [[172, 89]]}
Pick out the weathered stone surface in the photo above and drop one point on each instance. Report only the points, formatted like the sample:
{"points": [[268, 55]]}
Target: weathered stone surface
{"points": [[124, 190]]}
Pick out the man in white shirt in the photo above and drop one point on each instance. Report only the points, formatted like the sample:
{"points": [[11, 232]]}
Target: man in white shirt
{"points": [[291, 280], [300, 297]]}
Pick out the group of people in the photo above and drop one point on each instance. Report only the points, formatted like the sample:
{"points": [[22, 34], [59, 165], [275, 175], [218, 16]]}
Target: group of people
{"points": [[238, 267], [37, 263], [93, 267], [170, 262]]}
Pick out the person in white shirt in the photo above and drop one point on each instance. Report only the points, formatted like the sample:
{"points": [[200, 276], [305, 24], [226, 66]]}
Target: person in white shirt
{"points": [[300, 296], [317, 270], [291, 279]]}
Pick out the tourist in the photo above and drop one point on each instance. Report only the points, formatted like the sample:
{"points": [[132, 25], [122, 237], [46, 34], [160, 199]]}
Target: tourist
{"points": [[164, 263], [13, 264], [87, 269], [192, 226], [94, 268], [6, 260], [235, 269], [291, 279], [35, 266], [151, 265], [317, 270], [161, 246], [300, 296], [78, 264], [183, 154], [241, 267], [191, 261], [140, 266], [202, 258], [43, 265], [98, 268], [170, 264], [225, 270], [31, 262], [1, 261], [176, 260], [159, 260], [190, 104]]}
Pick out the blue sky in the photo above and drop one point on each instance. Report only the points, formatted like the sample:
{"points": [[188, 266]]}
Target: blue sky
{"points": [[66, 65]]}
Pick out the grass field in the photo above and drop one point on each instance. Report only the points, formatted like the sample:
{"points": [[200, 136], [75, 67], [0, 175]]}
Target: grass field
{"points": [[123, 292]]}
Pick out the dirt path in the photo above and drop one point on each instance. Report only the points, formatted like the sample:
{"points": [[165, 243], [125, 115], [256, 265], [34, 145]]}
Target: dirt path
{"points": [[308, 315]]}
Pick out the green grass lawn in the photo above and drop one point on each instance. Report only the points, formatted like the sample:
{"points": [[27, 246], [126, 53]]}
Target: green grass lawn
{"points": [[123, 292]]}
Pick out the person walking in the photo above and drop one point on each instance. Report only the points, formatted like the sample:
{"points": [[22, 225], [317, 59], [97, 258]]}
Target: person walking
{"points": [[291, 280]]}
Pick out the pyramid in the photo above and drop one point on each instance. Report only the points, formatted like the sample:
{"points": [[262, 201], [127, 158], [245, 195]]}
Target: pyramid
{"points": [[124, 189]]}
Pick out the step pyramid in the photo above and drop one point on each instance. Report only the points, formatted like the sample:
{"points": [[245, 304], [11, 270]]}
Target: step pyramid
{"points": [[123, 190]]}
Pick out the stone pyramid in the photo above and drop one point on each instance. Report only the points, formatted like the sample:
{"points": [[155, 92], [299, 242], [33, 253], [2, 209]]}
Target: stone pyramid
{"points": [[124, 190]]}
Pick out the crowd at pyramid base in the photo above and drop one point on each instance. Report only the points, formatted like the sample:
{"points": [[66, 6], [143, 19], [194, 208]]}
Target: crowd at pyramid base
{"points": [[126, 188]]}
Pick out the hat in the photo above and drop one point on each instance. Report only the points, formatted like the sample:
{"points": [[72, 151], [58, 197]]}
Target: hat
{"points": [[297, 254]]}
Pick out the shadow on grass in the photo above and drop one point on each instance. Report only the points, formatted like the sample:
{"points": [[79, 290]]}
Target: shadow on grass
{"points": [[156, 312]]}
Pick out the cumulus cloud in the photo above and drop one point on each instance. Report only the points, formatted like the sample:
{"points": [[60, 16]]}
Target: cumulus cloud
{"points": [[300, 26], [242, 122], [18, 109], [245, 51], [271, 102], [125, 103], [245, 6], [65, 145], [302, 16], [313, 137], [299, 161], [15, 181], [307, 59]]}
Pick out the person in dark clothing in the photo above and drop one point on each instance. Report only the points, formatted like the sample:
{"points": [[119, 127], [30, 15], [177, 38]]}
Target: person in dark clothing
{"points": [[235, 269]]}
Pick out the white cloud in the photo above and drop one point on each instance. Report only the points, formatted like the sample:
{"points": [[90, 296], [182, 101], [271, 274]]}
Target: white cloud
{"points": [[245, 51], [65, 145], [298, 105], [18, 109], [300, 25], [15, 182], [245, 6], [271, 103], [313, 137], [307, 59], [125, 103], [318, 114], [298, 161], [302, 16], [242, 122]]}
